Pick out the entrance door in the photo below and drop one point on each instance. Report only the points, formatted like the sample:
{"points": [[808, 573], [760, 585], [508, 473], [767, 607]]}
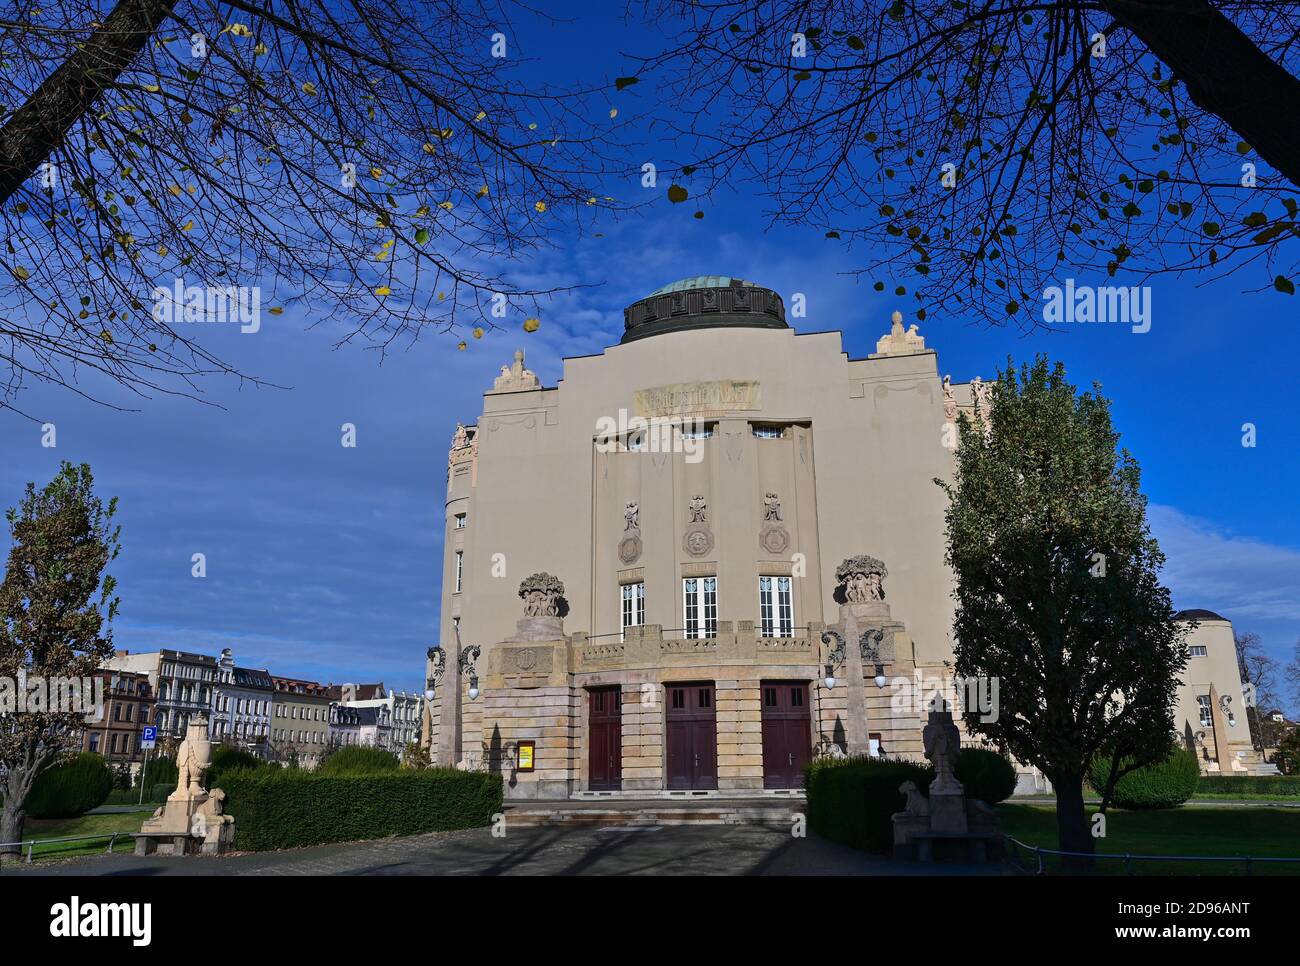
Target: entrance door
{"points": [[787, 733], [692, 725], [605, 741]]}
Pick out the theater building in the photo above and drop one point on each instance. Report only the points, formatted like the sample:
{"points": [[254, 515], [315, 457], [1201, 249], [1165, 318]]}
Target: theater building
{"points": [[707, 553]]}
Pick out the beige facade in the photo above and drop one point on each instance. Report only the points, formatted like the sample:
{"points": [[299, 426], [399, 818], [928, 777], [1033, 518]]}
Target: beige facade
{"points": [[300, 721], [728, 528], [1211, 712]]}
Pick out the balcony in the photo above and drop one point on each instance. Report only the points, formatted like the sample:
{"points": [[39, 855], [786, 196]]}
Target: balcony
{"points": [[736, 643]]}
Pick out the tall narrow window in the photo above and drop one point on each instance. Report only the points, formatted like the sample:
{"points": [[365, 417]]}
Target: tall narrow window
{"points": [[460, 569], [775, 607], [1203, 702], [633, 606], [700, 606], [460, 521]]}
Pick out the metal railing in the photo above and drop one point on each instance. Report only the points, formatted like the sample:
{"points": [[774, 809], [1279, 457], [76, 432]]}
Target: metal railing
{"points": [[30, 844], [1129, 858]]}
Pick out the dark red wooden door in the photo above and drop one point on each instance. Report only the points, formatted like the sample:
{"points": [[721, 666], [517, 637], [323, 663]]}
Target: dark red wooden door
{"points": [[605, 741], [787, 733], [692, 727]]}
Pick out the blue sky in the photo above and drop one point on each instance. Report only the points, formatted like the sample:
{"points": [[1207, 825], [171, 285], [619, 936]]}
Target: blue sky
{"points": [[323, 562]]}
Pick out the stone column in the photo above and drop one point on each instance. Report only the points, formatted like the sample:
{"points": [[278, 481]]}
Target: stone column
{"points": [[855, 727]]}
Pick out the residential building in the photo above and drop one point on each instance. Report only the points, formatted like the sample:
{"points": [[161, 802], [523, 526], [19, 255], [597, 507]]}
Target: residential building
{"points": [[300, 720], [128, 708], [182, 683], [1211, 715], [241, 706]]}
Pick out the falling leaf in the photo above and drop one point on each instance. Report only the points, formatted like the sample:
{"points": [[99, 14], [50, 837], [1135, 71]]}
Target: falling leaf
{"points": [[532, 325]]}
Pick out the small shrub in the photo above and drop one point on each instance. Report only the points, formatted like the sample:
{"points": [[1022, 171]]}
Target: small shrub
{"points": [[287, 808], [71, 788], [852, 800], [986, 775], [1166, 784], [159, 791], [359, 760]]}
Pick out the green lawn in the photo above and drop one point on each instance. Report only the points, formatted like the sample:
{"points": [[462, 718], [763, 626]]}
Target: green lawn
{"points": [[1188, 830], [48, 828]]}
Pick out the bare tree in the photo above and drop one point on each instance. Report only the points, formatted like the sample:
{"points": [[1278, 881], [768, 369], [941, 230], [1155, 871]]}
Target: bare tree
{"points": [[375, 163], [979, 152], [1259, 675]]}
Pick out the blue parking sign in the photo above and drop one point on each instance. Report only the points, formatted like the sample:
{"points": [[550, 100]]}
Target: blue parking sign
{"points": [[148, 737]]}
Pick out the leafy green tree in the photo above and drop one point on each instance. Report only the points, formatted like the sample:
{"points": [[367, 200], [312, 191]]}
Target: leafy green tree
{"points": [[56, 605], [1287, 758], [1057, 587]]}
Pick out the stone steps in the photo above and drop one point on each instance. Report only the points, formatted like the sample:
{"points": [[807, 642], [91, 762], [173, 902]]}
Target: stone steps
{"points": [[651, 816]]}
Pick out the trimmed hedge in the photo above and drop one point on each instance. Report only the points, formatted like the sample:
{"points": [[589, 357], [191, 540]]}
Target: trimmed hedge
{"points": [[1166, 784], [277, 808], [1250, 784], [226, 759], [70, 789], [986, 775], [359, 760], [852, 800]]}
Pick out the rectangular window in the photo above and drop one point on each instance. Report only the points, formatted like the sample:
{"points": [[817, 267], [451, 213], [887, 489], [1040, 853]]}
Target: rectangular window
{"points": [[460, 569], [767, 432], [700, 606], [1197, 650], [460, 521], [1203, 702], [633, 606], [775, 607]]}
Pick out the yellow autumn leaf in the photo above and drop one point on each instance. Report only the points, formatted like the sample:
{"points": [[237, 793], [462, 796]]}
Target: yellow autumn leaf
{"points": [[421, 211], [427, 148], [376, 172], [539, 206], [478, 333], [21, 273], [309, 88], [276, 310], [591, 200], [532, 325], [151, 88], [383, 290], [462, 346], [532, 127], [260, 49], [175, 189], [239, 30], [613, 113], [480, 115], [482, 191], [188, 226], [446, 205]]}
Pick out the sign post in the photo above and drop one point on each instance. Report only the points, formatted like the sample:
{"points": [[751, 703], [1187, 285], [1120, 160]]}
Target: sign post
{"points": [[148, 739]]}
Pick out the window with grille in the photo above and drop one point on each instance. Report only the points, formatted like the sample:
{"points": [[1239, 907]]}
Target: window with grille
{"points": [[700, 606], [775, 607]]}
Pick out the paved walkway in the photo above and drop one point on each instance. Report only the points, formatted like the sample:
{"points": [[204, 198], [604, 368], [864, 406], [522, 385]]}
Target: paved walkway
{"points": [[674, 850]]}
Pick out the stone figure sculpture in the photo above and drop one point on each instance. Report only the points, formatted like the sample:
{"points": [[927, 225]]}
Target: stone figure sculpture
{"points": [[632, 516], [541, 594], [949, 401], [942, 743], [771, 507], [697, 507], [862, 579]]}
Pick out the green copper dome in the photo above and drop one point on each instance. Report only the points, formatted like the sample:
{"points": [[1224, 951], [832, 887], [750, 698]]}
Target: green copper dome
{"points": [[703, 302]]}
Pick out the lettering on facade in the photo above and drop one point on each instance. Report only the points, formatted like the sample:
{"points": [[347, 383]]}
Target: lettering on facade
{"points": [[697, 398]]}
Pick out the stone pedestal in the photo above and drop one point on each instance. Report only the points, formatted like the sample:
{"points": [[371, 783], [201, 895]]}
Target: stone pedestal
{"points": [[188, 825]]}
